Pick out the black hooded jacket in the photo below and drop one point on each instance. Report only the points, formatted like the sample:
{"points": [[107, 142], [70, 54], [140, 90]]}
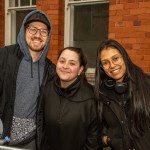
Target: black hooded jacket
{"points": [[11, 58], [70, 117]]}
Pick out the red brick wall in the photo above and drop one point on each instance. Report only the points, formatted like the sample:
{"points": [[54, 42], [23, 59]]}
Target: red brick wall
{"points": [[129, 23], [2, 14], [55, 11]]}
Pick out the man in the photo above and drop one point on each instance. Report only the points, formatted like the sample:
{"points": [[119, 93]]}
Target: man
{"points": [[24, 70]]}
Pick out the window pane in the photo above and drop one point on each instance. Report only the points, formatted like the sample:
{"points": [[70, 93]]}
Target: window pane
{"points": [[90, 27], [13, 3], [24, 2], [33, 2]]}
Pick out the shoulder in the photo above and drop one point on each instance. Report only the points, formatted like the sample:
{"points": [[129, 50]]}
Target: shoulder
{"points": [[87, 87], [50, 64], [85, 92], [11, 51], [50, 67], [12, 48]]}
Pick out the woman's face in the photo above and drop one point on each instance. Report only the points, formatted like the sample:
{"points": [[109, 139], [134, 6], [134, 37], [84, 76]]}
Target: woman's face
{"points": [[68, 67], [113, 63]]}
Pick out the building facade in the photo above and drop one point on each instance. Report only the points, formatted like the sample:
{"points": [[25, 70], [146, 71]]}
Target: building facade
{"points": [[84, 23]]}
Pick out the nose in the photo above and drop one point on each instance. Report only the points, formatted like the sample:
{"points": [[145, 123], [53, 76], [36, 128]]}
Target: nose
{"points": [[111, 64], [38, 33], [65, 65]]}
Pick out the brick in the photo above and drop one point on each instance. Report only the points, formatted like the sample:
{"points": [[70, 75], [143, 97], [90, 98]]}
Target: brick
{"points": [[112, 2], [137, 23], [136, 46], [139, 11], [53, 7], [143, 40], [112, 12], [143, 28], [53, 12], [132, 52], [143, 63], [116, 18], [130, 35], [112, 35], [145, 46], [143, 16], [128, 46], [137, 57], [123, 1], [56, 2], [131, 5], [144, 4], [129, 40], [130, 17], [147, 34], [147, 57], [143, 52], [123, 12], [116, 7]]}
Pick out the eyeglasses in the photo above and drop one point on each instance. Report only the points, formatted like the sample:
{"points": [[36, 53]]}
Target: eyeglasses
{"points": [[34, 30], [116, 60]]}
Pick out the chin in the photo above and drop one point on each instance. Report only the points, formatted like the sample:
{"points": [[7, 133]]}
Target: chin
{"points": [[119, 79]]}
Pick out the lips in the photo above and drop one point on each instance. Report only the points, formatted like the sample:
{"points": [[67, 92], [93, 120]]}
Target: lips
{"points": [[65, 72], [116, 71]]}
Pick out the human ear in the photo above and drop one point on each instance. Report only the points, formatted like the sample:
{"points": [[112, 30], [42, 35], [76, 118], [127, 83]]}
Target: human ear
{"points": [[81, 70]]}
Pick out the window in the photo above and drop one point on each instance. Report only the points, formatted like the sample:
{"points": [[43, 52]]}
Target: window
{"points": [[16, 10], [86, 24]]}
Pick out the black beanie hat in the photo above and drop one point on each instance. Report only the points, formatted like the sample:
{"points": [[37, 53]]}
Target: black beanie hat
{"points": [[38, 17]]}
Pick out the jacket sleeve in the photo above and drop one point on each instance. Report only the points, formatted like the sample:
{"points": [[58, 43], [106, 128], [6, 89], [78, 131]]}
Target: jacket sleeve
{"points": [[3, 62], [93, 132]]}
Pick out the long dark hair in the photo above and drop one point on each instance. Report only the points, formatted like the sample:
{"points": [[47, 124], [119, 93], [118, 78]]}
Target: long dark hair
{"points": [[82, 57], [139, 89]]}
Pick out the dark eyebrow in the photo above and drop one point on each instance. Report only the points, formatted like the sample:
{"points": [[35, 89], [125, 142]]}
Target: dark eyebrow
{"points": [[37, 28], [111, 57], [69, 60]]}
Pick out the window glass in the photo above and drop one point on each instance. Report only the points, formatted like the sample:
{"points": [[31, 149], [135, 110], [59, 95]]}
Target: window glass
{"points": [[33, 2], [90, 26], [13, 3], [15, 17], [20, 17], [24, 2]]}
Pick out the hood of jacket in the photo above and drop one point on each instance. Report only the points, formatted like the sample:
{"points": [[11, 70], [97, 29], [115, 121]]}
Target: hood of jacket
{"points": [[78, 91], [22, 41]]}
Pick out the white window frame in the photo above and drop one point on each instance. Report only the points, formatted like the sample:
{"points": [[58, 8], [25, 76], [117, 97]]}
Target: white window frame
{"points": [[10, 22], [68, 29]]}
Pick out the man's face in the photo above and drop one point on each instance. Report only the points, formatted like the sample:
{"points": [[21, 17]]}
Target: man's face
{"points": [[34, 36]]}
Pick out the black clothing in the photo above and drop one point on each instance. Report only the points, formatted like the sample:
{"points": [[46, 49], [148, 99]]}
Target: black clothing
{"points": [[117, 122], [70, 116], [10, 58]]}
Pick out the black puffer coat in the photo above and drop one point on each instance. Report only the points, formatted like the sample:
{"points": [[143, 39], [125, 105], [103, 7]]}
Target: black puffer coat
{"points": [[117, 122], [70, 117]]}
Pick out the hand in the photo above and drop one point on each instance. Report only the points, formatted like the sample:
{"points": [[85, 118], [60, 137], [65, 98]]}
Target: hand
{"points": [[104, 140]]}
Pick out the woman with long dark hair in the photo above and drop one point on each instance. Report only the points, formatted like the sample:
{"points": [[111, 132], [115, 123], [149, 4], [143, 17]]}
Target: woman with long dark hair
{"points": [[123, 93]]}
